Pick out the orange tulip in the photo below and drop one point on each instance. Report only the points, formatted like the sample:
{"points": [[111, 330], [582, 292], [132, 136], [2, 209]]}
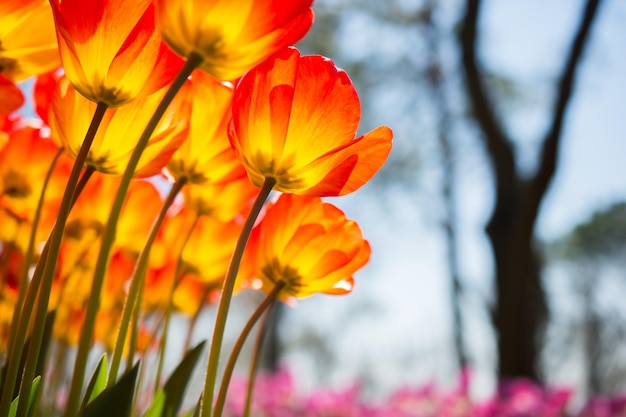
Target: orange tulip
{"points": [[91, 212], [295, 120], [24, 161], [206, 155], [222, 201], [206, 251], [27, 41], [79, 253], [232, 36], [117, 136], [308, 245], [111, 50]]}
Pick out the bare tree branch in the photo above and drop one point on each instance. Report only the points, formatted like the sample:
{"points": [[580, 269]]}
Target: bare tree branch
{"points": [[521, 309], [549, 152], [498, 144]]}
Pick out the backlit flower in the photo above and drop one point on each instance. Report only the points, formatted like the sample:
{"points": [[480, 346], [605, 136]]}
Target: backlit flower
{"points": [[24, 161], [205, 251], [308, 245], [295, 120], [232, 36], [118, 133], [28, 44], [111, 50], [223, 201], [81, 243], [206, 155]]}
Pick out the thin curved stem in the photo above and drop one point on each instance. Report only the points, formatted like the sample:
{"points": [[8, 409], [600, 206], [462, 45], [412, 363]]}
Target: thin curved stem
{"points": [[194, 320], [108, 237], [48, 264], [136, 284], [30, 254], [265, 305], [30, 251], [254, 362], [226, 297], [170, 304]]}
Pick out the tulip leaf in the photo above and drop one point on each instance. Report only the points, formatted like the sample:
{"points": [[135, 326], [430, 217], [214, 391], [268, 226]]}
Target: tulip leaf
{"points": [[98, 381], [31, 400], [116, 400], [45, 343], [168, 400]]}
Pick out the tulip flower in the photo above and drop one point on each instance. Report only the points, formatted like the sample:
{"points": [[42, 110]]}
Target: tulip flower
{"points": [[206, 156], [77, 260], [295, 119], [225, 201], [111, 50], [307, 245], [206, 250], [28, 43], [231, 37], [24, 162], [118, 133]]}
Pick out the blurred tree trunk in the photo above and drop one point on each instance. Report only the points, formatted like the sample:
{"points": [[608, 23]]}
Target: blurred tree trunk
{"points": [[520, 311], [435, 80]]}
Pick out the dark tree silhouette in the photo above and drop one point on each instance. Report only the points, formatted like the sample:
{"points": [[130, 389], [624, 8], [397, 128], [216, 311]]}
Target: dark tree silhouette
{"points": [[520, 311]]}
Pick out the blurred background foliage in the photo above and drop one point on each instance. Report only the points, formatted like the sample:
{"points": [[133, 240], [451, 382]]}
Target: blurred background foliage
{"points": [[462, 275]]}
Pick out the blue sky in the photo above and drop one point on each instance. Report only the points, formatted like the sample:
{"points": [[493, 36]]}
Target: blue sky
{"points": [[395, 328]]}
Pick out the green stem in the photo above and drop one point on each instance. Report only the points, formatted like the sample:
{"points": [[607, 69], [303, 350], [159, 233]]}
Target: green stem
{"points": [[194, 319], [267, 302], [22, 319], [136, 284], [227, 294], [170, 304], [49, 263], [108, 238], [254, 362], [30, 251]]}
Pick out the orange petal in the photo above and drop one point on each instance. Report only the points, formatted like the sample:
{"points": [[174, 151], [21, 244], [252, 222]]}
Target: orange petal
{"points": [[343, 171], [11, 97]]}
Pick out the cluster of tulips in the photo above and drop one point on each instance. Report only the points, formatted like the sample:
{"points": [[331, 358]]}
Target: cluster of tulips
{"points": [[179, 154]]}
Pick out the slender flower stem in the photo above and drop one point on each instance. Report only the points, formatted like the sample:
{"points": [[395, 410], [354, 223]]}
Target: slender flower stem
{"points": [[136, 284], [48, 264], [170, 304], [30, 252], [206, 404], [254, 362], [267, 302], [194, 320], [108, 237]]}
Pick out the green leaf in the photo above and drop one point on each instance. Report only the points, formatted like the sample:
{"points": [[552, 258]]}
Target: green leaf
{"points": [[157, 406], [45, 343], [168, 400], [33, 395], [114, 401], [31, 399], [98, 381]]}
